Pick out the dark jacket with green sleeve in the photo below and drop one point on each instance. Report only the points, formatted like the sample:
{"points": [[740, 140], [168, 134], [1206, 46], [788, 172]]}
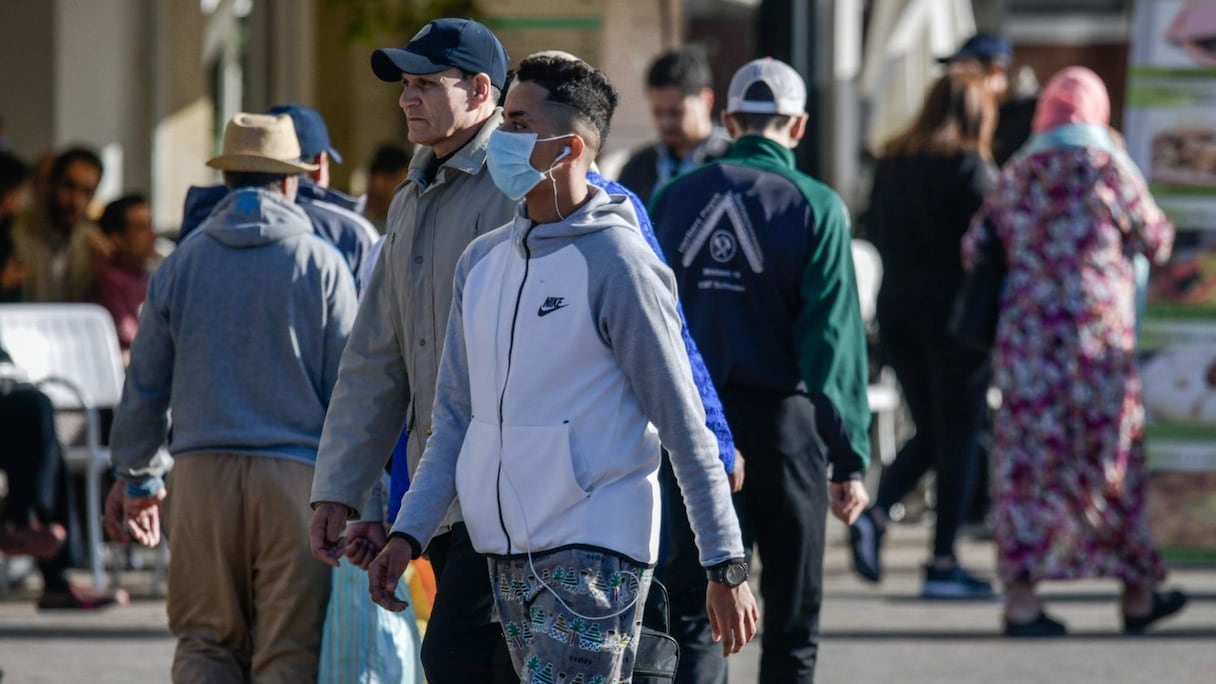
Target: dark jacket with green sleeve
{"points": [[763, 260]]}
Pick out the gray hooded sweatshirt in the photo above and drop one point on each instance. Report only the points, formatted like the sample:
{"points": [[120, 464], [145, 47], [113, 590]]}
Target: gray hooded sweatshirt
{"points": [[563, 354], [240, 336]]}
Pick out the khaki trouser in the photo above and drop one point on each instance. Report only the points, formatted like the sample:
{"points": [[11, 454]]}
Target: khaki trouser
{"points": [[246, 599]]}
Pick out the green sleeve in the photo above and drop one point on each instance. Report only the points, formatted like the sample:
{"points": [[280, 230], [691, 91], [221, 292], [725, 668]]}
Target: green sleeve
{"points": [[832, 351]]}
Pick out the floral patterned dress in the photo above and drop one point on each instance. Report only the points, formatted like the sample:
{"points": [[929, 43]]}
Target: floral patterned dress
{"points": [[1070, 475]]}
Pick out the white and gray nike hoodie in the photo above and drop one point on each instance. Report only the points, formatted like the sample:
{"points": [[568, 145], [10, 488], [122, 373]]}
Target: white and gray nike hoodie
{"points": [[563, 354]]}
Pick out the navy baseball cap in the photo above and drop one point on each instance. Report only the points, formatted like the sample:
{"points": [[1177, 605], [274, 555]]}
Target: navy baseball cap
{"points": [[310, 129], [985, 47], [445, 44]]}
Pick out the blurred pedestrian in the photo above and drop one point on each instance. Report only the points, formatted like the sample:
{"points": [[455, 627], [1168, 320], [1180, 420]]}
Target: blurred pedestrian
{"points": [[452, 74], [122, 283], [929, 182], [240, 339], [54, 237], [387, 170], [680, 91], [1070, 473], [762, 258], [331, 212], [990, 57]]}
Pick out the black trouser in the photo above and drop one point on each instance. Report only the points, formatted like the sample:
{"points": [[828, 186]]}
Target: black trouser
{"points": [[462, 642], [38, 483], [943, 385], [784, 507]]}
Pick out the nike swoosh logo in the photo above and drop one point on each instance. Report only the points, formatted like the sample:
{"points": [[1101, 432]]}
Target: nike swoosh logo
{"points": [[544, 310]]}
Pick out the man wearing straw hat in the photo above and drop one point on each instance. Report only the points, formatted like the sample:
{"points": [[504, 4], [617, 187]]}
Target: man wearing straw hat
{"points": [[240, 338]]}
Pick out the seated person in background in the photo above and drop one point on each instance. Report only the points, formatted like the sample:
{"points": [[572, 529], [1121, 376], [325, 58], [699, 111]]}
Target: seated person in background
{"points": [[14, 189], [39, 511], [387, 170], [12, 271], [14, 185], [122, 282], [54, 236]]}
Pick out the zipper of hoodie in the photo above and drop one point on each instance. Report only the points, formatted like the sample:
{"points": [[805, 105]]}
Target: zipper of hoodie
{"points": [[506, 379]]}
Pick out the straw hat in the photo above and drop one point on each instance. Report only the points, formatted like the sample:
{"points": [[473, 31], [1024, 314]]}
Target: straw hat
{"points": [[259, 143]]}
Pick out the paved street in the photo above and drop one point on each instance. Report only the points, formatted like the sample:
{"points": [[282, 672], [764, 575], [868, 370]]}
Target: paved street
{"points": [[870, 635]]}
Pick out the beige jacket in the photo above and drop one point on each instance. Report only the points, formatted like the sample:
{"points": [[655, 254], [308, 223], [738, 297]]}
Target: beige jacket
{"points": [[389, 368], [60, 270]]}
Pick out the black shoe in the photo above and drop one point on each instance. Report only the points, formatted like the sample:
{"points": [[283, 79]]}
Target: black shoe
{"points": [[954, 583], [1164, 605], [865, 538], [1041, 626]]}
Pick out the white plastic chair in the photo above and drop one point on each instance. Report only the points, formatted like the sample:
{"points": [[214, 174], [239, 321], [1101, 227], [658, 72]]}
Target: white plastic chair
{"points": [[71, 352], [884, 395]]}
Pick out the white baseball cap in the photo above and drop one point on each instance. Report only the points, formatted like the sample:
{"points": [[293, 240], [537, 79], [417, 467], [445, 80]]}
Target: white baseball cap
{"points": [[766, 86]]}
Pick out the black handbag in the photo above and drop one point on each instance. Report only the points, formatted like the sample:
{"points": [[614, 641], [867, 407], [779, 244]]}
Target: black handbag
{"points": [[977, 307], [658, 653]]}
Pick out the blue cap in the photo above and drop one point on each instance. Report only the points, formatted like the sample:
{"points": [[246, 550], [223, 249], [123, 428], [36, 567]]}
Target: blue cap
{"points": [[310, 130], [985, 47], [445, 44]]}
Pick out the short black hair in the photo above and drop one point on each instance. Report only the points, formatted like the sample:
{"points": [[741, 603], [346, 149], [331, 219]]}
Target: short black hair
{"points": [[70, 156], [113, 220], [686, 69], [578, 86], [247, 179], [389, 159], [13, 172]]}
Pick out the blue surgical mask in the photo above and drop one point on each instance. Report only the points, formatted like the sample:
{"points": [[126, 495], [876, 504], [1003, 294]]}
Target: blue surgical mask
{"points": [[507, 157]]}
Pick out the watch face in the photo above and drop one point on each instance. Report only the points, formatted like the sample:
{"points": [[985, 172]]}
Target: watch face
{"points": [[736, 574]]}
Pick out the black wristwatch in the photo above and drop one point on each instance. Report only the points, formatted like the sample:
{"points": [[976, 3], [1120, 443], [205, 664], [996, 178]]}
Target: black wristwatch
{"points": [[732, 573]]}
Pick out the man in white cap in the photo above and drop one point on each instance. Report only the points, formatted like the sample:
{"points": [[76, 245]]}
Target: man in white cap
{"points": [[762, 258], [240, 339]]}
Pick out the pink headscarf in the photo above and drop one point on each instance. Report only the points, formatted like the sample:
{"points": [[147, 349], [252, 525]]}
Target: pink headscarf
{"points": [[1075, 95]]}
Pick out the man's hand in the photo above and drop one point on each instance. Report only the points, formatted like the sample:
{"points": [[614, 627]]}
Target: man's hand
{"points": [[141, 517], [363, 541], [849, 499], [325, 532], [732, 615], [736, 475], [112, 513], [386, 571]]}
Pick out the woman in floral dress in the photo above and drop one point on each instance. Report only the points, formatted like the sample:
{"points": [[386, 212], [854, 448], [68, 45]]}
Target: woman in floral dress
{"points": [[1069, 483]]}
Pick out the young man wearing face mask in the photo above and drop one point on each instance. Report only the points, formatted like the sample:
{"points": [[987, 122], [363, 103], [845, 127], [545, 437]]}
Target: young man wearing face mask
{"points": [[563, 347]]}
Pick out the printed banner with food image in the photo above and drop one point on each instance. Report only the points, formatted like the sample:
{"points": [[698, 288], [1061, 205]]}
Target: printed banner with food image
{"points": [[1170, 128]]}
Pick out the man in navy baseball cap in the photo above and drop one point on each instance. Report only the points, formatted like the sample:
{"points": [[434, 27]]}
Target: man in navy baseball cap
{"points": [[311, 131], [445, 44]]}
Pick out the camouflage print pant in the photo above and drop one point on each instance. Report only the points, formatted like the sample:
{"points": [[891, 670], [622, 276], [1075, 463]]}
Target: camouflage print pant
{"points": [[552, 643]]}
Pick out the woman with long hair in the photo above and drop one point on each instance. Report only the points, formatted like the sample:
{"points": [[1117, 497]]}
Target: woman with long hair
{"points": [[1071, 211], [929, 182]]}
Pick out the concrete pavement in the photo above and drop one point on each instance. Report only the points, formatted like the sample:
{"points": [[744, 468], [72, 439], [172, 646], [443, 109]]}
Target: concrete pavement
{"points": [[870, 634]]}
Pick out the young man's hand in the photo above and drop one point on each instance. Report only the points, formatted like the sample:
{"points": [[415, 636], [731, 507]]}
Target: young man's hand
{"points": [[736, 476], [112, 510], [732, 615], [363, 541], [849, 499], [386, 571]]}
